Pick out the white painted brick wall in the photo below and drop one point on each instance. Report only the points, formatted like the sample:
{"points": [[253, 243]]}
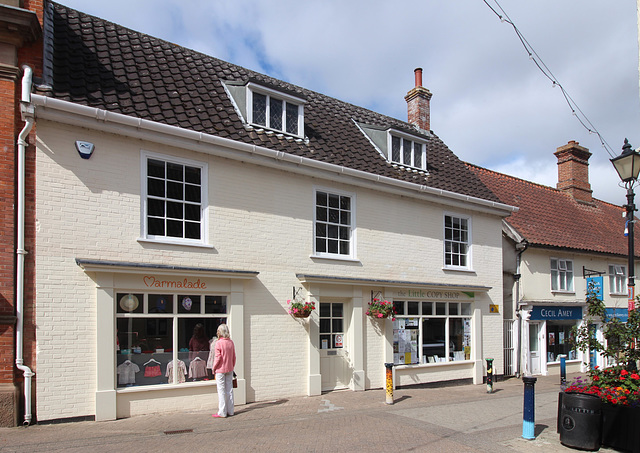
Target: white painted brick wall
{"points": [[259, 220]]}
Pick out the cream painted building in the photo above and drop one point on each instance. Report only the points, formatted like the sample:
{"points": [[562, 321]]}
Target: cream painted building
{"points": [[169, 199]]}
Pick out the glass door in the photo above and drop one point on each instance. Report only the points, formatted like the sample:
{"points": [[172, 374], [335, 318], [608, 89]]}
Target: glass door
{"points": [[534, 347]]}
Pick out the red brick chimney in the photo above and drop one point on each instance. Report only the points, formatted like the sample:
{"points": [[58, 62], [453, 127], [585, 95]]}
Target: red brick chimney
{"points": [[418, 100], [573, 171]]}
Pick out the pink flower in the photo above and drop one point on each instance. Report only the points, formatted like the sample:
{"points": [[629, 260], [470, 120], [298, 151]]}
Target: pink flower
{"points": [[380, 315]]}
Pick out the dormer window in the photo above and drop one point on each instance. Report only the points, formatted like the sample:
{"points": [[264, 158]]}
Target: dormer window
{"points": [[407, 152], [402, 149], [274, 110]]}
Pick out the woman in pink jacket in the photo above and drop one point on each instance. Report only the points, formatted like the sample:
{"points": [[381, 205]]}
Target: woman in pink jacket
{"points": [[225, 360]]}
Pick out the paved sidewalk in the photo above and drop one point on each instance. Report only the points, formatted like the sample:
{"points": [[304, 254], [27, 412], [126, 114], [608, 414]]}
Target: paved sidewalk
{"points": [[446, 419]]}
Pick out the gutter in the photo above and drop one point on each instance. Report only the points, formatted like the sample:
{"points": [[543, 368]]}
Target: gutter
{"points": [[27, 111], [91, 117]]}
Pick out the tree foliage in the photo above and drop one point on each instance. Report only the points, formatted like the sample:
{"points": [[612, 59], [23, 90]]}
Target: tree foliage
{"points": [[621, 338]]}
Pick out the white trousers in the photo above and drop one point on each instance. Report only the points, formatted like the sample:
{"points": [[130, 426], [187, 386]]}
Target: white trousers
{"points": [[225, 393]]}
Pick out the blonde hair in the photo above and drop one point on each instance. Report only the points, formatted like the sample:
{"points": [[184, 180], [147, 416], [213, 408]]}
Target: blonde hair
{"points": [[223, 331]]}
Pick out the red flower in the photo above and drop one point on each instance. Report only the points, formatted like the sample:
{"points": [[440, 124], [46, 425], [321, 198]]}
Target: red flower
{"points": [[624, 373], [635, 376]]}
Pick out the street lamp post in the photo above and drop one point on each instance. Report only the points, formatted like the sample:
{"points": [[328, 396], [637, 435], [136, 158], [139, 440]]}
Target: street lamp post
{"points": [[627, 165]]}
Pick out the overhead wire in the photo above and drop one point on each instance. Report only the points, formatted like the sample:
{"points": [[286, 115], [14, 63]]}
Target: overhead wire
{"points": [[533, 55]]}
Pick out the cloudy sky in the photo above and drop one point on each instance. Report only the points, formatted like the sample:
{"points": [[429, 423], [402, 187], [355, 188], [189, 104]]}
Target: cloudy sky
{"points": [[491, 104]]}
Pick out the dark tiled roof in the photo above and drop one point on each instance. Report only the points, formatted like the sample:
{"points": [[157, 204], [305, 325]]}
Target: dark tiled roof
{"points": [[93, 62], [550, 217]]}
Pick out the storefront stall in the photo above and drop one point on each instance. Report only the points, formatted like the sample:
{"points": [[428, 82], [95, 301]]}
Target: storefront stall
{"points": [[548, 335], [436, 336], [154, 331]]}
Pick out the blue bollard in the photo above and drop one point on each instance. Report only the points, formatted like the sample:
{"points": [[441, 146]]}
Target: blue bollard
{"points": [[529, 409], [563, 371]]}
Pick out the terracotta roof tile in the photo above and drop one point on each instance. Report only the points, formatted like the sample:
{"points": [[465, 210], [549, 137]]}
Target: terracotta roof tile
{"points": [[549, 217]]}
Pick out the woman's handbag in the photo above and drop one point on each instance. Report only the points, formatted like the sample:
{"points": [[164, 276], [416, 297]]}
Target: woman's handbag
{"points": [[235, 380]]}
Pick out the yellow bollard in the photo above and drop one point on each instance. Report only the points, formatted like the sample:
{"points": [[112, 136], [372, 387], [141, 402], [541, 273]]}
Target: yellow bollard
{"points": [[389, 367]]}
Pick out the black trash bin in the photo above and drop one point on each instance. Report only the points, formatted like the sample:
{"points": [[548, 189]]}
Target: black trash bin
{"points": [[580, 422]]}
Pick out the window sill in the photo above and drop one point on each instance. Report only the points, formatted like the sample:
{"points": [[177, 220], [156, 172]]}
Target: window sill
{"points": [[562, 292], [459, 269], [158, 387], [334, 258], [567, 361], [619, 294], [169, 242], [276, 132], [432, 365]]}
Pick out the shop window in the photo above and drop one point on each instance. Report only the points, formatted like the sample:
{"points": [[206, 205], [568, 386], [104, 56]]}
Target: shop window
{"points": [[456, 241], [331, 316], [165, 338], [617, 279], [431, 332], [560, 340], [561, 275], [333, 224], [174, 194]]}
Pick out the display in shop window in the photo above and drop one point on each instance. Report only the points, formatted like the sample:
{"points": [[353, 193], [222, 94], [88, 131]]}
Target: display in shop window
{"points": [[443, 336], [169, 347]]}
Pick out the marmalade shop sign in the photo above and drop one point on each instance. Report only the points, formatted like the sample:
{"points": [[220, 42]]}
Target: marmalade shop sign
{"points": [[543, 313], [153, 282]]}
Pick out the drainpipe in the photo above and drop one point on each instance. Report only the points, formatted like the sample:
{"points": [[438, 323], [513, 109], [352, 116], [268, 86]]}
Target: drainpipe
{"points": [[27, 111], [520, 247]]}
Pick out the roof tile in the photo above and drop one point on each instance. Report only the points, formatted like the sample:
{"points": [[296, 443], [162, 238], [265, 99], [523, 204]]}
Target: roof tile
{"points": [[104, 65], [550, 217]]}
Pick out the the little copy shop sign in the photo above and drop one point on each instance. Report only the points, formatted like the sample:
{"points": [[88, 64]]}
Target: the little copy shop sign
{"points": [[543, 313]]}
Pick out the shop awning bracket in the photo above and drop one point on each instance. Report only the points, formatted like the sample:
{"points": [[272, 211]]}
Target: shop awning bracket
{"points": [[590, 273], [297, 294]]}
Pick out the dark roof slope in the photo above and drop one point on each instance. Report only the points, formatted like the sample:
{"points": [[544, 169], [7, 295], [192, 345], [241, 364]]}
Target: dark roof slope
{"points": [[93, 62], [549, 217]]}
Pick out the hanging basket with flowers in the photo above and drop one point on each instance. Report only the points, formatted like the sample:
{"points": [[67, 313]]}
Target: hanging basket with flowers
{"points": [[300, 309], [380, 309]]}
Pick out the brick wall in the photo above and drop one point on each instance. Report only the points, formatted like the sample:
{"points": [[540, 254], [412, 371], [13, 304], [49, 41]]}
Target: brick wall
{"points": [[91, 209]]}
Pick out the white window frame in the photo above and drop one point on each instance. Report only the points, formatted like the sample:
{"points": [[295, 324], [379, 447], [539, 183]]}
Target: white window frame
{"points": [[562, 278], [331, 334], [617, 279], [414, 141], [204, 203], [285, 98], [468, 243], [352, 227]]}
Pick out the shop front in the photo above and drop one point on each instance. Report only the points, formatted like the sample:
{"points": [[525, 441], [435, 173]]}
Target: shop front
{"points": [[154, 330], [547, 335], [435, 335]]}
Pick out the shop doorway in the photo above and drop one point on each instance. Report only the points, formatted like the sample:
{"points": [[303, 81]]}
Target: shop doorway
{"points": [[534, 347], [334, 357]]}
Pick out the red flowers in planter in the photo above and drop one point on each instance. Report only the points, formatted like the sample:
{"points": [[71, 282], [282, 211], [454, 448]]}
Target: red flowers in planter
{"points": [[613, 385]]}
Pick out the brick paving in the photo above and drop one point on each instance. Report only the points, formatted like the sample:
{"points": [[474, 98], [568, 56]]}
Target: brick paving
{"points": [[444, 419]]}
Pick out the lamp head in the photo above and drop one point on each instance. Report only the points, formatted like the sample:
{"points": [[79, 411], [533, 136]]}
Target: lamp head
{"points": [[627, 164]]}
